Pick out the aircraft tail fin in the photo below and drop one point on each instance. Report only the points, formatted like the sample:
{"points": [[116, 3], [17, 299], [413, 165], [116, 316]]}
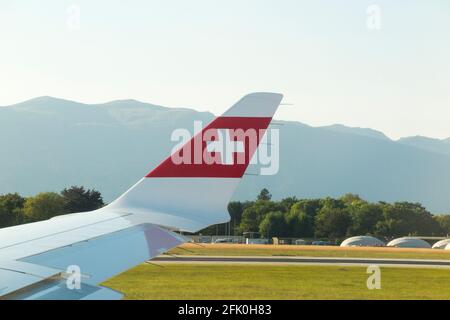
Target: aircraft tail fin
{"points": [[190, 190]]}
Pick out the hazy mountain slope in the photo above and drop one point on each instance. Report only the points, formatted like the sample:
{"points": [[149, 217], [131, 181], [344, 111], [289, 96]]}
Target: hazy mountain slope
{"points": [[48, 144], [434, 145], [52, 145], [359, 131]]}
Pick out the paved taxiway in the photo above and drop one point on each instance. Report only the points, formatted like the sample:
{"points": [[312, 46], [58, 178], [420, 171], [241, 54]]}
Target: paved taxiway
{"points": [[408, 263]]}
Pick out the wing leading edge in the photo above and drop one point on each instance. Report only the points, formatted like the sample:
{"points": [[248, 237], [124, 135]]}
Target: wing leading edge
{"points": [[47, 275]]}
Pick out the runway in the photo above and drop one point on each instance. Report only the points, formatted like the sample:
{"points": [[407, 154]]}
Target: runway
{"points": [[406, 263]]}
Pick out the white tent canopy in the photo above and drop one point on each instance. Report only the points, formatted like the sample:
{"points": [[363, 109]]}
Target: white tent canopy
{"points": [[441, 244], [409, 243], [362, 241]]}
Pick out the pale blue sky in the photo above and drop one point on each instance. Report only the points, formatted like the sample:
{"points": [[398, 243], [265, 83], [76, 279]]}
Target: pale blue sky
{"points": [[206, 54]]}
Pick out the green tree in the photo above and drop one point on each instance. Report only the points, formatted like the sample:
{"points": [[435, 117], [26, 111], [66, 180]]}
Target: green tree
{"points": [[265, 195], [332, 223], [11, 206], [287, 203], [273, 225], [44, 206], [350, 198], [365, 217], [300, 219], [300, 224], [405, 218], [444, 224], [331, 203], [310, 207], [77, 199], [254, 213]]}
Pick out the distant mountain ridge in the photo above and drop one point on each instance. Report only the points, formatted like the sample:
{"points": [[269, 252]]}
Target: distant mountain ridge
{"points": [[366, 132], [430, 144], [48, 144]]}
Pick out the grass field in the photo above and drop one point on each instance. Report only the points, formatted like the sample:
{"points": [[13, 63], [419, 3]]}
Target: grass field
{"points": [[309, 251], [216, 282]]}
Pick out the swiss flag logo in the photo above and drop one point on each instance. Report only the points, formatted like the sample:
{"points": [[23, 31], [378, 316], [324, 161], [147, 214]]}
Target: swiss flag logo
{"points": [[223, 150], [223, 146]]}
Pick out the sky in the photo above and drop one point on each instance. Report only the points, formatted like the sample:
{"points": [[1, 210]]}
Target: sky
{"points": [[379, 64]]}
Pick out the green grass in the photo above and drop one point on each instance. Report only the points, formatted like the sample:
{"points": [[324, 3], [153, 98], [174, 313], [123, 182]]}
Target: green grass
{"points": [[390, 253], [220, 281]]}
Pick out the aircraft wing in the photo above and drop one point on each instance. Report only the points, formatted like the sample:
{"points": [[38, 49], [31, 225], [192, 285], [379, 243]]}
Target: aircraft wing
{"points": [[68, 256], [45, 266]]}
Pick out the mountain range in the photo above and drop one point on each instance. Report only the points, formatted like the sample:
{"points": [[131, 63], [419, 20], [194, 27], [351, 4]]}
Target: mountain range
{"points": [[48, 144]]}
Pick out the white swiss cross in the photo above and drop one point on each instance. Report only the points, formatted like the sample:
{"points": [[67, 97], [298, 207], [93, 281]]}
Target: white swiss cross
{"points": [[225, 146]]}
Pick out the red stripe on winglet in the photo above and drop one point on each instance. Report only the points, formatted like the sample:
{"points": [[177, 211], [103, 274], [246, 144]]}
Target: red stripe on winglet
{"points": [[168, 169]]}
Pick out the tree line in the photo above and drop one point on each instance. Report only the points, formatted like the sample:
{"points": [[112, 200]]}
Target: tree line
{"points": [[326, 218], [15, 209], [329, 218]]}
